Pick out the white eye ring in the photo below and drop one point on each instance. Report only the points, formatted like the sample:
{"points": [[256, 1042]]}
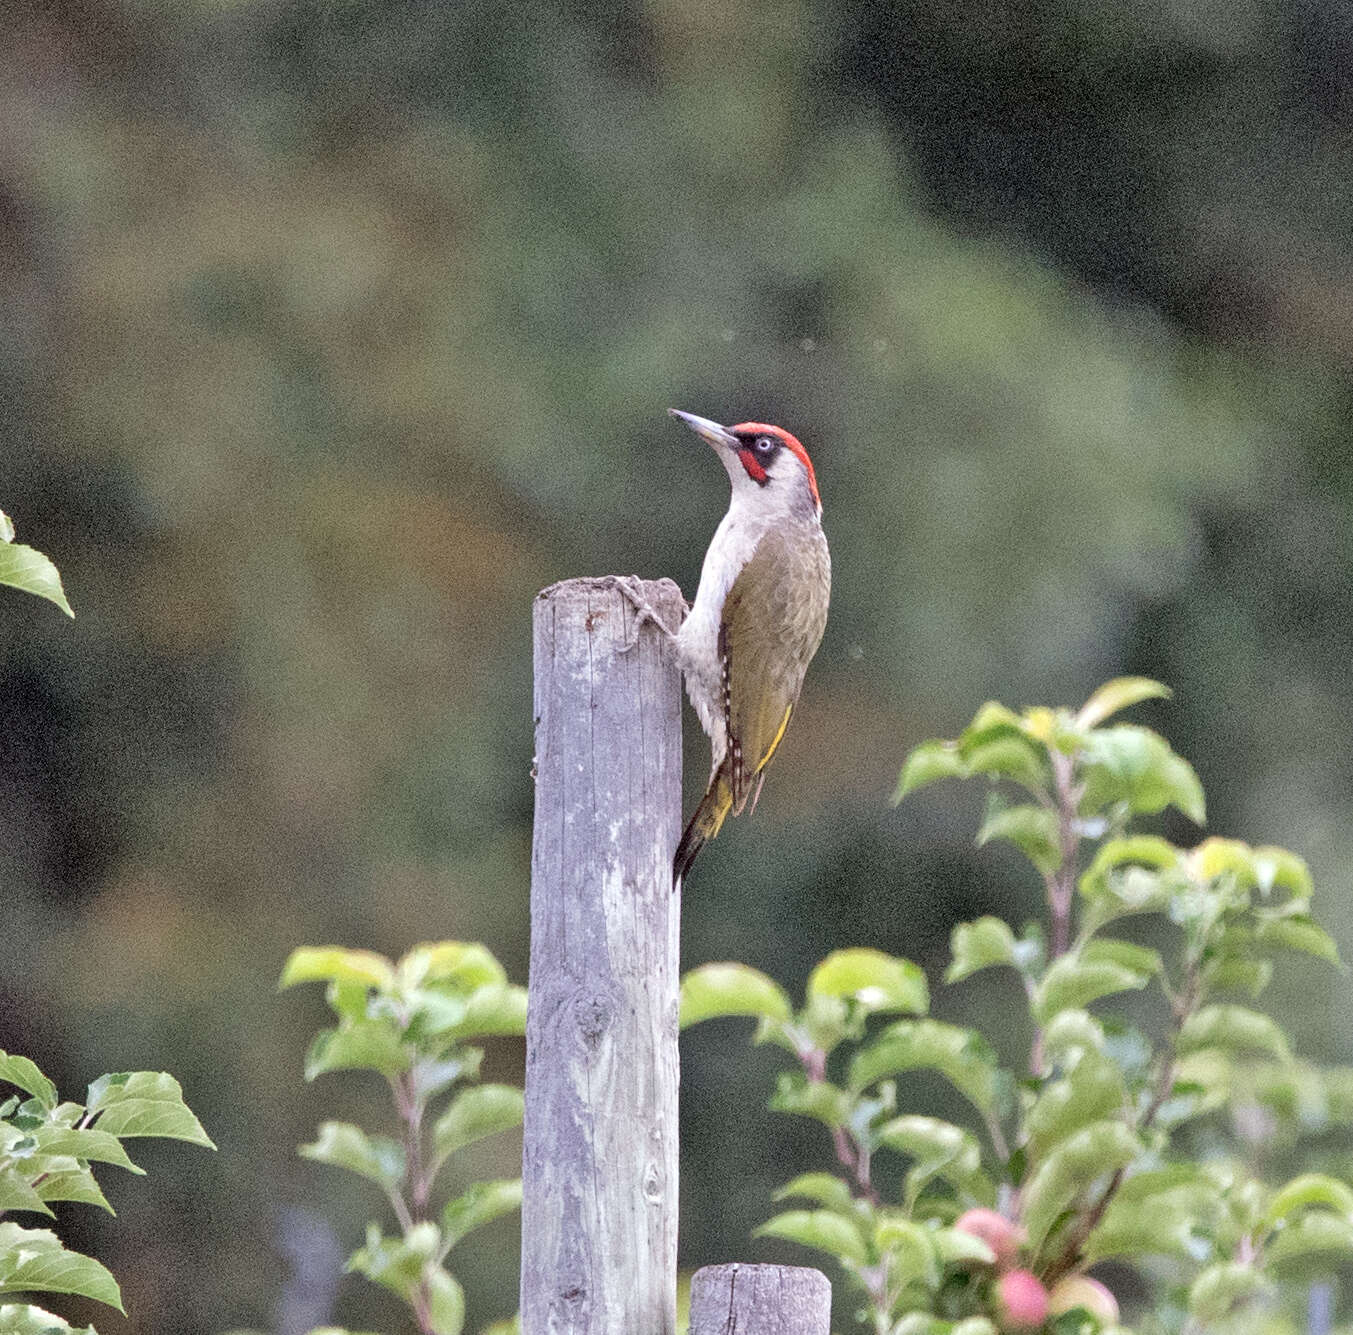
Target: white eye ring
{"points": [[764, 444]]}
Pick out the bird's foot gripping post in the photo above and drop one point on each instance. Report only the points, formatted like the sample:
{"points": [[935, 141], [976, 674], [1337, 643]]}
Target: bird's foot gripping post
{"points": [[599, 1173], [645, 613]]}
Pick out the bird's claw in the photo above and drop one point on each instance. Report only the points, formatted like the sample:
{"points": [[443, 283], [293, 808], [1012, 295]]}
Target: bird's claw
{"points": [[644, 611]]}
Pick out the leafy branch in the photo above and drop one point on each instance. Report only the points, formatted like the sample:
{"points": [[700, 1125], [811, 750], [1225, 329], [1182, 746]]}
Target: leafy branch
{"points": [[410, 1022], [48, 1149], [1086, 1157]]}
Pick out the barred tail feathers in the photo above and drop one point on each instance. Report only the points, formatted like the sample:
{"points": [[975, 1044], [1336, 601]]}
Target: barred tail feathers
{"points": [[704, 823]]}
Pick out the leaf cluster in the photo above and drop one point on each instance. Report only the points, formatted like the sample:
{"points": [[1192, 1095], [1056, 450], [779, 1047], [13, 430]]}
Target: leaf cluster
{"points": [[1114, 1142], [48, 1150], [414, 1022]]}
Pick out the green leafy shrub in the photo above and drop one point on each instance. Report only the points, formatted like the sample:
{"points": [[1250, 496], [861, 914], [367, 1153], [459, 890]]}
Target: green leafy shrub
{"points": [[1110, 1144], [412, 1023], [47, 1152]]}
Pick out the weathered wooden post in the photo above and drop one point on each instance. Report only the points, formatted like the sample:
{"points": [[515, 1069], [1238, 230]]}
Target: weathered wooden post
{"points": [[760, 1300], [599, 1174]]}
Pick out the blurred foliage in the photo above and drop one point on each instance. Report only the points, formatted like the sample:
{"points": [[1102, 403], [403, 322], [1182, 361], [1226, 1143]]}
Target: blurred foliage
{"points": [[336, 328], [1105, 1142], [409, 1022]]}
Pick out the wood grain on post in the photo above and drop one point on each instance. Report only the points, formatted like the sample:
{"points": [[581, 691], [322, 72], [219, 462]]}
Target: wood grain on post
{"points": [[760, 1300], [599, 1171]]}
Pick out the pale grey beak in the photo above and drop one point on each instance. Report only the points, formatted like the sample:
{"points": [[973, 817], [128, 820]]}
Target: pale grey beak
{"points": [[710, 432]]}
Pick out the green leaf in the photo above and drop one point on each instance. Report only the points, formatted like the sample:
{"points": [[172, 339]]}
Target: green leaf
{"points": [[1298, 932], [962, 1056], [1154, 1213], [1216, 857], [922, 1323], [1114, 855], [927, 763], [1314, 1233], [1153, 1183], [465, 965], [937, 1149], [1237, 973], [33, 1260], [95, 1145], [820, 1099], [1072, 1033], [1136, 959], [1233, 1029], [493, 1009], [992, 720], [72, 1183], [1072, 982], [445, 1301], [25, 1074], [432, 1075], [18, 1193], [310, 964], [1093, 1152], [1120, 693], [145, 1103], [1092, 1091], [824, 1188], [821, 1229], [342, 1145], [1139, 1231], [979, 945], [716, 990], [1223, 1288], [953, 1246], [1135, 766], [432, 1012], [24, 1319], [483, 1110], [1032, 829], [373, 1045], [1010, 755], [875, 981], [27, 569], [481, 1204], [1307, 1190], [1276, 868], [910, 1250], [395, 1263]]}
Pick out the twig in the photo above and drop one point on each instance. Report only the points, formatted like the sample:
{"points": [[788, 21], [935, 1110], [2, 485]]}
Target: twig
{"points": [[851, 1155], [1181, 1009]]}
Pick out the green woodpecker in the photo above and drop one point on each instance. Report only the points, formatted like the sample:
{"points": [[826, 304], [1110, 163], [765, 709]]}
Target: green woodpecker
{"points": [[758, 615]]}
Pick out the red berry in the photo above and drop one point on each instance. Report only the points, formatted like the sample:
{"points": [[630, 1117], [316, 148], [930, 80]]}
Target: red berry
{"points": [[1002, 1235], [1021, 1302]]}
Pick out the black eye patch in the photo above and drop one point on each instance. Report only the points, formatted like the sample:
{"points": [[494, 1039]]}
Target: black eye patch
{"points": [[764, 447]]}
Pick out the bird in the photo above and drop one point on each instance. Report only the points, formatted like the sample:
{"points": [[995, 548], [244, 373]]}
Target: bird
{"points": [[759, 614]]}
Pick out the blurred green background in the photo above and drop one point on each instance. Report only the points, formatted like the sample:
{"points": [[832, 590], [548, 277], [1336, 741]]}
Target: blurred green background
{"points": [[335, 330]]}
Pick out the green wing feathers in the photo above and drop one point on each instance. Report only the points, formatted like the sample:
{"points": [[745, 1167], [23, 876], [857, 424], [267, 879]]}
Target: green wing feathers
{"points": [[773, 619]]}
